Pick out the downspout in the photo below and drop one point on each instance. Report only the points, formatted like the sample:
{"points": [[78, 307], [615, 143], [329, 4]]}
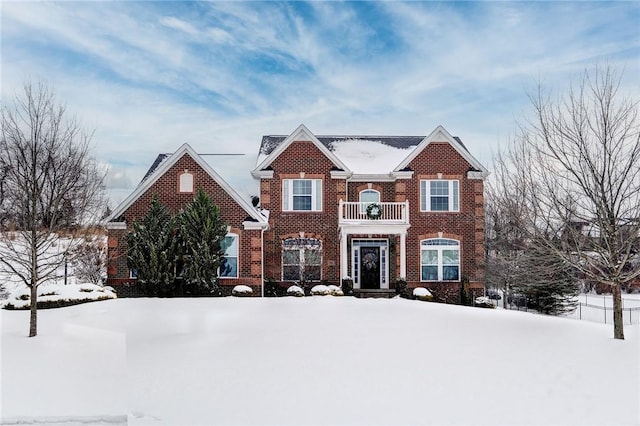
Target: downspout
{"points": [[262, 260]]}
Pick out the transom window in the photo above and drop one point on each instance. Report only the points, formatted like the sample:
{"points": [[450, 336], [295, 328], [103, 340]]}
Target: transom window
{"points": [[302, 195], [439, 196], [301, 259], [440, 260], [229, 264], [367, 197]]}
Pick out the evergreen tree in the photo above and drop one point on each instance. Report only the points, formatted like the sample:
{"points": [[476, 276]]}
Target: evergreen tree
{"points": [[201, 237], [151, 250], [549, 284]]}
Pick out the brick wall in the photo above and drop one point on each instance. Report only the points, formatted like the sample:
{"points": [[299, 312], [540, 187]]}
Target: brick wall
{"points": [[302, 157], [467, 225], [166, 187]]}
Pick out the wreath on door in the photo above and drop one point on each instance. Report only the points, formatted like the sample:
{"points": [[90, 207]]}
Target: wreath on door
{"points": [[370, 260], [374, 211]]}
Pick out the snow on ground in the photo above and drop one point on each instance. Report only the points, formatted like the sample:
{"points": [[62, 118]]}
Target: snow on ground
{"points": [[314, 360], [52, 291]]}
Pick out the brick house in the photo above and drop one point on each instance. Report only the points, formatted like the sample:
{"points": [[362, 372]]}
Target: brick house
{"points": [[374, 208], [175, 178]]}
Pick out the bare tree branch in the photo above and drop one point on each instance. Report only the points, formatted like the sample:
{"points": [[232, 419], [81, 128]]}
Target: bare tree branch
{"points": [[50, 186]]}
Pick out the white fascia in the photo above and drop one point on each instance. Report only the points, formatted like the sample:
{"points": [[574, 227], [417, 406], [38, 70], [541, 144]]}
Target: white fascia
{"points": [[115, 225], [478, 175], [372, 177], [340, 174], [405, 174], [262, 174], [248, 225]]}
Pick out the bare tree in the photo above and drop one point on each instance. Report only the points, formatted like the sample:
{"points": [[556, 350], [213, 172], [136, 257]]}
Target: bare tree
{"points": [[89, 258], [575, 170], [516, 263], [49, 183]]}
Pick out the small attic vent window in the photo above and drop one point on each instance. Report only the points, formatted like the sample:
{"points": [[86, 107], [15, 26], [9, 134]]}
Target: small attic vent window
{"points": [[185, 182]]}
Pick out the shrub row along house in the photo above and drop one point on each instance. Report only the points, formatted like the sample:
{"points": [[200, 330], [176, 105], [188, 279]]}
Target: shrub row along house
{"points": [[378, 209]]}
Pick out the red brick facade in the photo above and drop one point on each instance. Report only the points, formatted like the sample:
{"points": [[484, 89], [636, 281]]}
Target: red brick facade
{"points": [[303, 159], [261, 256], [167, 188]]}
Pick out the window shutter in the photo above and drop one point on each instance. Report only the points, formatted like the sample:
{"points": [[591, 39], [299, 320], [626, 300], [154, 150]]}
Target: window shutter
{"points": [[318, 184], [285, 194], [456, 196], [423, 195]]}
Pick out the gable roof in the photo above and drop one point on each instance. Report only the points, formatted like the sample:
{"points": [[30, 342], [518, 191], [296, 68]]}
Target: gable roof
{"points": [[440, 134], [367, 154], [163, 163], [300, 134]]}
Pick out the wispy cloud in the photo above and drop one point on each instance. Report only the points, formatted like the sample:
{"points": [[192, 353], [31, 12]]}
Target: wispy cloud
{"points": [[149, 76]]}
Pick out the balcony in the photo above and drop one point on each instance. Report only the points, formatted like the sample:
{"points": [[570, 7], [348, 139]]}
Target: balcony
{"points": [[355, 213]]}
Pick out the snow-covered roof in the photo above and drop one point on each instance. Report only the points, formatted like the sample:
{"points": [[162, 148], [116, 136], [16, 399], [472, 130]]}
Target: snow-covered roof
{"points": [[366, 155], [361, 154], [230, 171]]}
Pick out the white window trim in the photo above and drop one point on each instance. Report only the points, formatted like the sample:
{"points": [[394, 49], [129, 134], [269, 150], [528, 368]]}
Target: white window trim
{"points": [[287, 195], [301, 250], [440, 265], [365, 204], [133, 274], [237, 256], [425, 195]]}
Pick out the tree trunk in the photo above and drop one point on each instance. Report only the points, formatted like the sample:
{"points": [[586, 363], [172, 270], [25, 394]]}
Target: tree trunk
{"points": [[33, 318], [618, 327], [505, 296]]}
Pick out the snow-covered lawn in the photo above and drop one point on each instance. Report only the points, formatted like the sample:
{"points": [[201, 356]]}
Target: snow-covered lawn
{"points": [[314, 360]]}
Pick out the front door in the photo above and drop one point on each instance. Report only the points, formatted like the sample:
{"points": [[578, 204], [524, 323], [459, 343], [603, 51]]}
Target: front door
{"points": [[369, 267]]}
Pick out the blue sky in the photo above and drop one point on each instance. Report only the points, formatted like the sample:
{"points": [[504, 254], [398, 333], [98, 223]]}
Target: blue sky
{"points": [[149, 76]]}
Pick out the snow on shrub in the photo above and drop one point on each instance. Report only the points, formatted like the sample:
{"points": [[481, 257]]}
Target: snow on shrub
{"points": [[320, 290], [422, 293], [483, 302], [59, 295], [294, 290], [241, 290], [334, 290]]}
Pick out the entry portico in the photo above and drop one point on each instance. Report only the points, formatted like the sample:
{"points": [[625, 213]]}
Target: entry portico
{"points": [[367, 233]]}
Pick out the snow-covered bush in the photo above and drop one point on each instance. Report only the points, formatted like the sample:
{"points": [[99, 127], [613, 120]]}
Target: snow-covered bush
{"points": [[334, 290], [484, 302], [242, 291], [296, 291], [320, 290], [422, 293], [58, 296]]}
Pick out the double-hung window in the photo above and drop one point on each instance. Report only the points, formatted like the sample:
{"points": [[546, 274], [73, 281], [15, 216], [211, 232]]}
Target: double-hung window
{"points": [[229, 264], [440, 260], [439, 195], [302, 195]]}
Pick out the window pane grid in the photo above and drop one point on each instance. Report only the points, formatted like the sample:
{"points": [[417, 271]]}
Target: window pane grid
{"points": [[439, 195], [302, 195], [301, 259], [440, 260], [229, 263]]}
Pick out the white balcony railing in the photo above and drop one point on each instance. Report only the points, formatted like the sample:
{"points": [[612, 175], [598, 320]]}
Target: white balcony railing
{"points": [[356, 212]]}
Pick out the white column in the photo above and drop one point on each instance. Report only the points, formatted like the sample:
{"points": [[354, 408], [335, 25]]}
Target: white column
{"points": [[403, 255], [344, 256]]}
